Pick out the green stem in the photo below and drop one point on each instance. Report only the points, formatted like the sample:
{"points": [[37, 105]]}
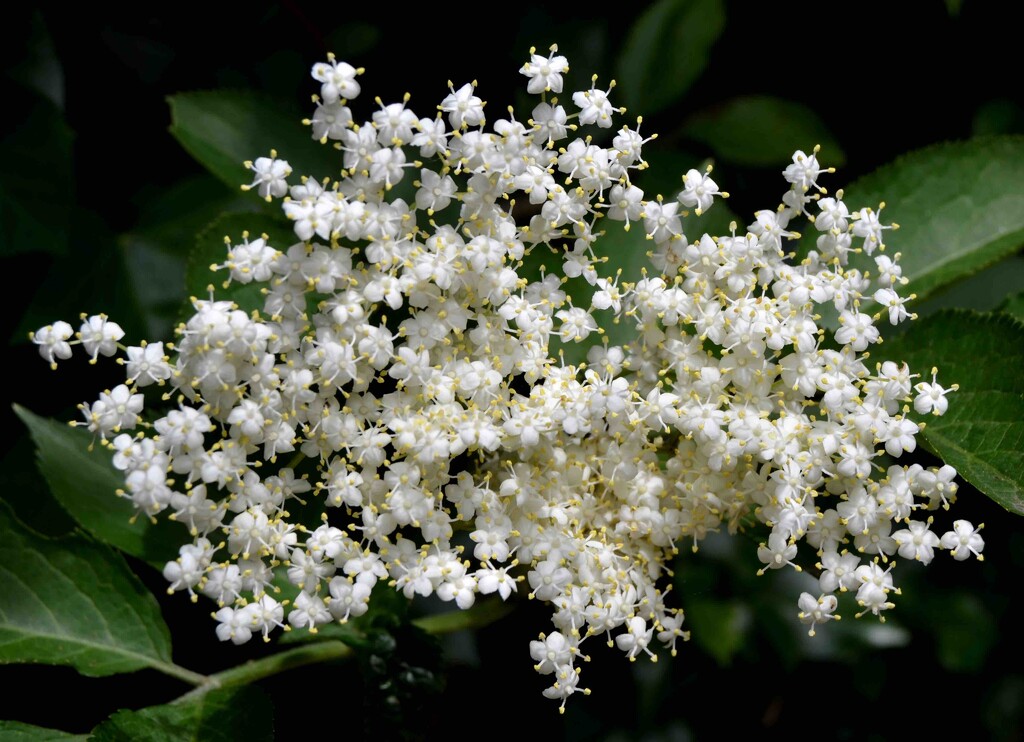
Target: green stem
{"points": [[181, 673], [481, 614], [254, 670]]}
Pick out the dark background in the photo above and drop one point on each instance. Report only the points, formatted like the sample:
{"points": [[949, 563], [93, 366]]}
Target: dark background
{"points": [[884, 80]]}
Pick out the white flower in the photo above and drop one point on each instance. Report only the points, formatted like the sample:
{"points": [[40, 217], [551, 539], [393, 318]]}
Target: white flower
{"points": [[916, 541], [53, 342], [147, 364], [699, 191], [595, 108], [931, 397], [964, 540], [99, 336], [545, 73], [269, 176], [816, 611], [464, 108], [805, 170], [338, 78]]}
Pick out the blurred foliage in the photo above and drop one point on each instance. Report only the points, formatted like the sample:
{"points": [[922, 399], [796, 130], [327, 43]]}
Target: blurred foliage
{"points": [[101, 207]]}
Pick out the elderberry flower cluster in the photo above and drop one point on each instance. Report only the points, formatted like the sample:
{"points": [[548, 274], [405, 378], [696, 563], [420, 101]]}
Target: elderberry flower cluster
{"points": [[397, 416]]}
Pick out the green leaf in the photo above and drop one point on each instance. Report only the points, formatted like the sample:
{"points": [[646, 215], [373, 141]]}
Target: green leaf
{"points": [[483, 613], [1014, 305], [666, 51], [210, 250], [967, 633], [985, 291], [35, 64], [15, 731], [36, 190], [156, 250], [85, 482], [999, 116], [28, 496], [960, 207], [171, 217], [762, 131], [223, 129], [982, 432], [218, 716], [75, 602], [92, 278], [719, 627]]}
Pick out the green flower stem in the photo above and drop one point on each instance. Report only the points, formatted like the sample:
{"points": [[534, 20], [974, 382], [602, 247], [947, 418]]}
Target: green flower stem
{"points": [[254, 670], [181, 673], [482, 614]]}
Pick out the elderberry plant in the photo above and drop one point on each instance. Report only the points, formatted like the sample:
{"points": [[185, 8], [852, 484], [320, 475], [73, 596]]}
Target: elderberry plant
{"points": [[399, 412]]}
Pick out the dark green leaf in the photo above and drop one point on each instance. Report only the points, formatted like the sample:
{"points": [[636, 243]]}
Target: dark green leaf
{"points": [[218, 716], [982, 432], [35, 179], [85, 482], [223, 129], [28, 496], [74, 602], [353, 39], [986, 291], [483, 613], [171, 217], [719, 628], [1000, 116], [967, 633], [1014, 305], [762, 131], [210, 250], [960, 207], [37, 66], [93, 278], [666, 51], [15, 731], [156, 251]]}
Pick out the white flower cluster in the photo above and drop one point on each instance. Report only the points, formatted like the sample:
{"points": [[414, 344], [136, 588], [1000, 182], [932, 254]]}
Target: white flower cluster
{"points": [[396, 413]]}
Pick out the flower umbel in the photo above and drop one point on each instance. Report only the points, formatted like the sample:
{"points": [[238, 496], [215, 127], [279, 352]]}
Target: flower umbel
{"points": [[398, 414]]}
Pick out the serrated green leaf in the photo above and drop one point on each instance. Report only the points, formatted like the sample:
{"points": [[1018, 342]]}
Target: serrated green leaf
{"points": [[75, 602], [982, 432], [960, 207], [223, 129], [218, 716], [15, 731], [85, 482], [666, 51], [210, 250], [762, 131]]}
